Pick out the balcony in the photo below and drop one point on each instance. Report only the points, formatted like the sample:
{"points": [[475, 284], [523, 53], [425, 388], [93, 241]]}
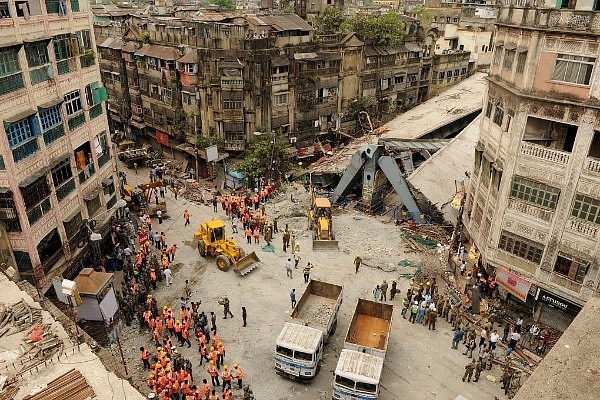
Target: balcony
{"points": [[11, 83], [592, 164], [526, 13], [54, 134], [86, 173], [234, 145], [545, 153], [583, 228]]}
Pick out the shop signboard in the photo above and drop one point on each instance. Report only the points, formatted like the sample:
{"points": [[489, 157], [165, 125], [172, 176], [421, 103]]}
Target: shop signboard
{"points": [[513, 283], [554, 301]]}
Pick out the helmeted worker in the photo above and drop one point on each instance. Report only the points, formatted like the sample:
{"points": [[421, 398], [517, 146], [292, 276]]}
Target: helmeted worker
{"points": [[226, 376], [239, 375], [214, 375]]}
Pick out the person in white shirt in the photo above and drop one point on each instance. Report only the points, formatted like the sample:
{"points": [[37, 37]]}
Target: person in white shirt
{"points": [[159, 216], [168, 276], [494, 339]]}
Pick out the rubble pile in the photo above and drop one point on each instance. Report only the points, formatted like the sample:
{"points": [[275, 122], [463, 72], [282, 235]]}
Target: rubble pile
{"points": [[318, 312]]}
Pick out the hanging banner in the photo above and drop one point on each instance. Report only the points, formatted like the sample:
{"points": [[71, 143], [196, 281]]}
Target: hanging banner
{"points": [[162, 138], [457, 200], [513, 283], [474, 255], [143, 238]]}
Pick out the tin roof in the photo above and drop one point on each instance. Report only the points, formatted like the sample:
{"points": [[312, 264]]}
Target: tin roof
{"points": [[190, 57], [162, 52], [92, 282]]}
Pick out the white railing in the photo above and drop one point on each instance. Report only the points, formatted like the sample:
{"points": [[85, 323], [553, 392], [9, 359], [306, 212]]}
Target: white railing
{"points": [[545, 153], [592, 164], [583, 227]]}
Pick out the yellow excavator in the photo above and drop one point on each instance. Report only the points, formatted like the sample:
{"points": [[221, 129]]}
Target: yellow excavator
{"points": [[212, 242], [320, 221], [140, 198]]}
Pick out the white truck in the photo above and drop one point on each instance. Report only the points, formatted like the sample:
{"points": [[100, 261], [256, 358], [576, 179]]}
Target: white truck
{"points": [[298, 351], [299, 348], [358, 370], [318, 307]]}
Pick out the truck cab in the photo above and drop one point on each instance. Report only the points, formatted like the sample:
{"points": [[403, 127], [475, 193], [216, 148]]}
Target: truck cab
{"points": [[299, 351], [357, 376]]}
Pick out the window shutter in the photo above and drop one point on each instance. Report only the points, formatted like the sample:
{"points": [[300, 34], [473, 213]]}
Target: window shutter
{"points": [[34, 125]]}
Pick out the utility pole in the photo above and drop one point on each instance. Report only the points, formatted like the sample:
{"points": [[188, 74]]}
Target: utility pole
{"points": [[196, 144]]}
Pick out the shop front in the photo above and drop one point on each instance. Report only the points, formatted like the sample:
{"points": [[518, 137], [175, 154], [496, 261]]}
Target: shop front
{"points": [[555, 311], [518, 292]]}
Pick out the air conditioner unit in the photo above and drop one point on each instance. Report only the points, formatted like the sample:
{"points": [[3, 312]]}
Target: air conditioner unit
{"points": [[293, 139]]}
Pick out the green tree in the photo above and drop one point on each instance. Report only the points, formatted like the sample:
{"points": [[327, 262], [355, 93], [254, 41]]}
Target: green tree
{"points": [[383, 30], [228, 5], [328, 21], [180, 127], [265, 159], [421, 13]]}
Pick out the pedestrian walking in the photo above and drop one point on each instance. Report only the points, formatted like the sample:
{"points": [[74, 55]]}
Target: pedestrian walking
{"points": [[145, 355], [213, 321], [162, 192], [306, 272], [225, 303], [296, 260], [234, 222], [159, 216], [293, 297], [214, 203], [239, 375], [135, 166], [256, 236], [377, 293], [168, 276], [482, 338], [384, 288], [186, 216], [393, 289], [244, 315], [458, 335], [414, 308], [156, 195], [479, 366], [288, 268], [494, 340], [471, 345], [187, 289], [357, 262], [249, 235]]}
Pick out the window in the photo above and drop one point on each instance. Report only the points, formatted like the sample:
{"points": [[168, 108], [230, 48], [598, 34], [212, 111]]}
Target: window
{"points": [[442, 75], [281, 98], [535, 193], [143, 85], [521, 59], [84, 39], [586, 208], [22, 137], [343, 381], [509, 58], [489, 107], [449, 74], [93, 205], [168, 94], [37, 54], [367, 387], [8, 212], [73, 102], [411, 77], [62, 178], [399, 79], [372, 84], [497, 55], [37, 199], [188, 98], [521, 247], [463, 71], [573, 269], [4, 11], [284, 351], [456, 72], [11, 77], [50, 117], [498, 116], [190, 68], [573, 69], [65, 47]]}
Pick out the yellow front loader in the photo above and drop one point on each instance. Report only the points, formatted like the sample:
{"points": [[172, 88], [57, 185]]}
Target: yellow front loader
{"points": [[212, 242]]}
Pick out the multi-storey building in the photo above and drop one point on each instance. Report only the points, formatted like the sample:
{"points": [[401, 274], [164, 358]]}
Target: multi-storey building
{"points": [[243, 73], [533, 208], [55, 166]]}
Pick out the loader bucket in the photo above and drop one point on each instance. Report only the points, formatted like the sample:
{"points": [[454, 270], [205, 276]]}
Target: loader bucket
{"points": [[246, 264], [325, 245]]}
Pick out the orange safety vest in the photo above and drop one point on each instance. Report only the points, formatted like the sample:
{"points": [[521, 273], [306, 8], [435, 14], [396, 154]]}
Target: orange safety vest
{"points": [[206, 389], [238, 372], [145, 354], [214, 355], [177, 327], [212, 370], [248, 232], [226, 376], [170, 323]]}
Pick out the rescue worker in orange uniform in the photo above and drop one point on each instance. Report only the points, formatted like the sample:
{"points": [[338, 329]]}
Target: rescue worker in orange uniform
{"points": [[214, 374], [226, 376], [145, 355], [239, 375]]}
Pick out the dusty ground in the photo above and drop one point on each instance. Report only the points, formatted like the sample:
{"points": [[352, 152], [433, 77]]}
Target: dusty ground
{"points": [[419, 363]]}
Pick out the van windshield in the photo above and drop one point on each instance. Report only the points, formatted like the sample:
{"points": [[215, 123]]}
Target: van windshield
{"points": [[300, 355], [340, 380], [284, 351], [366, 387]]}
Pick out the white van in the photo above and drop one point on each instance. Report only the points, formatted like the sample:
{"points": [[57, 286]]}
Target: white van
{"points": [[357, 376], [299, 351]]}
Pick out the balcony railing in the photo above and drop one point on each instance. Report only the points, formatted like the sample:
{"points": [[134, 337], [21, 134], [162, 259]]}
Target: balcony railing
{"points": [[530, 15], [54, 134], [76, 122], [235, 145], [65, 189], [96, 111], [582, 227], [11, 83], [87, 173], [593, 164], [545, 153]]}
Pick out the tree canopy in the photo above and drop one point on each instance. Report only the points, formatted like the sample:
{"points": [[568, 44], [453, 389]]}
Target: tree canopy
{"points": [[383, 30], [228, 5], [263, 159], [328, 21]]}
